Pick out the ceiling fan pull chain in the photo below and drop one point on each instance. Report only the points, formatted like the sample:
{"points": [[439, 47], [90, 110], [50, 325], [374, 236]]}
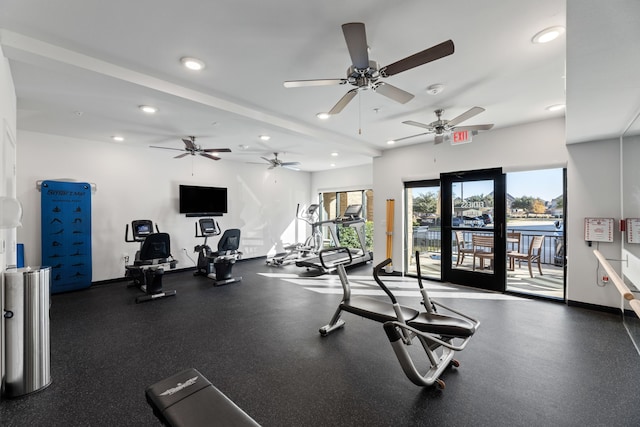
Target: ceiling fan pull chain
{"points": [[359, 113]]}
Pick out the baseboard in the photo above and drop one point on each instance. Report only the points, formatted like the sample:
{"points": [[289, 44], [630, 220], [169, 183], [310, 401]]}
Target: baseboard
{"points": [[596, 307]]}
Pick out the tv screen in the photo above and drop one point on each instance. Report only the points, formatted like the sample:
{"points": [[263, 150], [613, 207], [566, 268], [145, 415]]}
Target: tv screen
{"points": [[201, 201]]}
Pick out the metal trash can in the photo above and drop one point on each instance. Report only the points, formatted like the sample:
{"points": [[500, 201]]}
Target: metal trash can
{"points": [[27, 345]]}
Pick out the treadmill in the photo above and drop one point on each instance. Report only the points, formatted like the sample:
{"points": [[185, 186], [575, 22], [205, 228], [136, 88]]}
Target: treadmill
{"points": [[331, 259]]}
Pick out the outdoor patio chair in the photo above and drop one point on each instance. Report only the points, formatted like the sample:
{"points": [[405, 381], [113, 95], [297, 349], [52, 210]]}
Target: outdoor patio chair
{"points": [[534, 255], [462, 247], [482, 249]]}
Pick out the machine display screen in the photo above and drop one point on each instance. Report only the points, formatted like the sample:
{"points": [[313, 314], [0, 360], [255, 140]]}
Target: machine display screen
{"points": [[142, 229], [353, 210]]}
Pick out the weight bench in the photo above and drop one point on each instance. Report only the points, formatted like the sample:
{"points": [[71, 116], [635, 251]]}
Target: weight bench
{"points": [[440, 335], [188, 399]]}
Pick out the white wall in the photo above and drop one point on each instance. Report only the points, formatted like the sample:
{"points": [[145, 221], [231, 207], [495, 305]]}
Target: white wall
{"points": [[343, 179], [142, 183], [593, 190], [7, 157]]}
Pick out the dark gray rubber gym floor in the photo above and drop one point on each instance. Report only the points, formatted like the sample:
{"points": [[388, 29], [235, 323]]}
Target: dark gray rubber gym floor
{"points": [[531, 363]]}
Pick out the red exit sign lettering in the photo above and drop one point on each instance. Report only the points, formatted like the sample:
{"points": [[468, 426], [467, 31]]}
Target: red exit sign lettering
{"points": [[460, 137]]}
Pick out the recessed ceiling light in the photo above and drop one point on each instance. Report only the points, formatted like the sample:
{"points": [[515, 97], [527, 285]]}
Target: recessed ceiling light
{"points": [[192, 63], [148, 109], [117, 138], [323, 116], [265, 137], [555, 107], [548, 34], [333, 165], [334, 154], [391, 142]]}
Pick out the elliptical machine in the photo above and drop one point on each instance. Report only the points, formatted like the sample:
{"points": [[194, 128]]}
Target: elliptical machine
{"points": [[311, 246], [150, 261], [217, 265]]}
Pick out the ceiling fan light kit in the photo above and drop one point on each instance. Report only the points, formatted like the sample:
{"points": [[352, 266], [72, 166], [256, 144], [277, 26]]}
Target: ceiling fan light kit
{"points": [[365, 73], [277, 163], [443, 128]]}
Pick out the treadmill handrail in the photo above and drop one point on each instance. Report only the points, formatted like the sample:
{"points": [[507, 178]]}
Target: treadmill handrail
{"points": [[346, 261]]}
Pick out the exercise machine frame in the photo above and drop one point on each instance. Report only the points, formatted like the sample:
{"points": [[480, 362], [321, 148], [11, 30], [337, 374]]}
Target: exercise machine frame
{"points": [[150, 261], [350, 219], [217, 265], [311, 246], [440, 334]]}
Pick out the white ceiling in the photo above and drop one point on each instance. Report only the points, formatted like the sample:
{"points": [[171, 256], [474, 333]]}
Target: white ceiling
{"points": [[82, 67]]}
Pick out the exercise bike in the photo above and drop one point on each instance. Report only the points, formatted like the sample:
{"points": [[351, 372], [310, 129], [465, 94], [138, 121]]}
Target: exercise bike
{"points": [[205, 227], [217, 265], [150, 261], [440, 334]]}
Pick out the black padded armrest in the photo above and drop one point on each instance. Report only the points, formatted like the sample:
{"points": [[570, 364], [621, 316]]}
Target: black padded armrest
{"points": [[188, 399]]}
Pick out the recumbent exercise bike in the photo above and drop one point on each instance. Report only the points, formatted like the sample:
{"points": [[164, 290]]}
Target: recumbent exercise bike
{"points": [[150, 261], [217, 265]]}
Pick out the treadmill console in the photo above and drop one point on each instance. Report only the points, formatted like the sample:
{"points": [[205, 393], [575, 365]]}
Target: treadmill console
{"points": [[350, 215]]}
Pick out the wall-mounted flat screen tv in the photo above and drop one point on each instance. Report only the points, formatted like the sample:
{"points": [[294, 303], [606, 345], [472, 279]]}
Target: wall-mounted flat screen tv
{"points": [[202, 201]]}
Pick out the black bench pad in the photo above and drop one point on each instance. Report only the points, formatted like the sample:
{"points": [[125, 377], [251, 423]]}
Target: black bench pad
{"points": [[375, 309], [442, 325], [188, 399]]}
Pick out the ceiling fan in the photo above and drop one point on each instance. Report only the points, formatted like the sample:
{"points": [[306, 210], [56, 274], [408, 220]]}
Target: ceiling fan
{"points": [[190, 147], [276, 163], [365, 73], [442, 127]]}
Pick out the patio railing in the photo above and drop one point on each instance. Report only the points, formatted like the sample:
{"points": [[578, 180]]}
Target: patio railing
{"points": [[552, 249]]}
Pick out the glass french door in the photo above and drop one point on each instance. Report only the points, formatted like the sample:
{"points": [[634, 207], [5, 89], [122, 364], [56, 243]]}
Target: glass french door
{"points": [[473, 228]]}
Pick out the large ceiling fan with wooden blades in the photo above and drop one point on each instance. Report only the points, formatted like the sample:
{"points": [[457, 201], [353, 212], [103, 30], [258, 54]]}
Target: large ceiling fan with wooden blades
{"points": [[366, 74], [277, 163], [442, 128], [191, 148]]}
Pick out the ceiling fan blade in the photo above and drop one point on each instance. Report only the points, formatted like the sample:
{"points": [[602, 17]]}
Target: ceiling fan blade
{"points": [[265, 159], [474, 127], [412, 136], [356, 38], [438, 139], [209, 156], [167, 148], [290, 167], [189, 144], [318, 82], [393, 92], [343, 102], [436, 52], [179, 156], [465, 116], [420, 125], [290, 164], [217, 150]]}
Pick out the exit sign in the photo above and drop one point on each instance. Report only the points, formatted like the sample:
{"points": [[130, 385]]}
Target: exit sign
{"points": [[460, 137]]}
